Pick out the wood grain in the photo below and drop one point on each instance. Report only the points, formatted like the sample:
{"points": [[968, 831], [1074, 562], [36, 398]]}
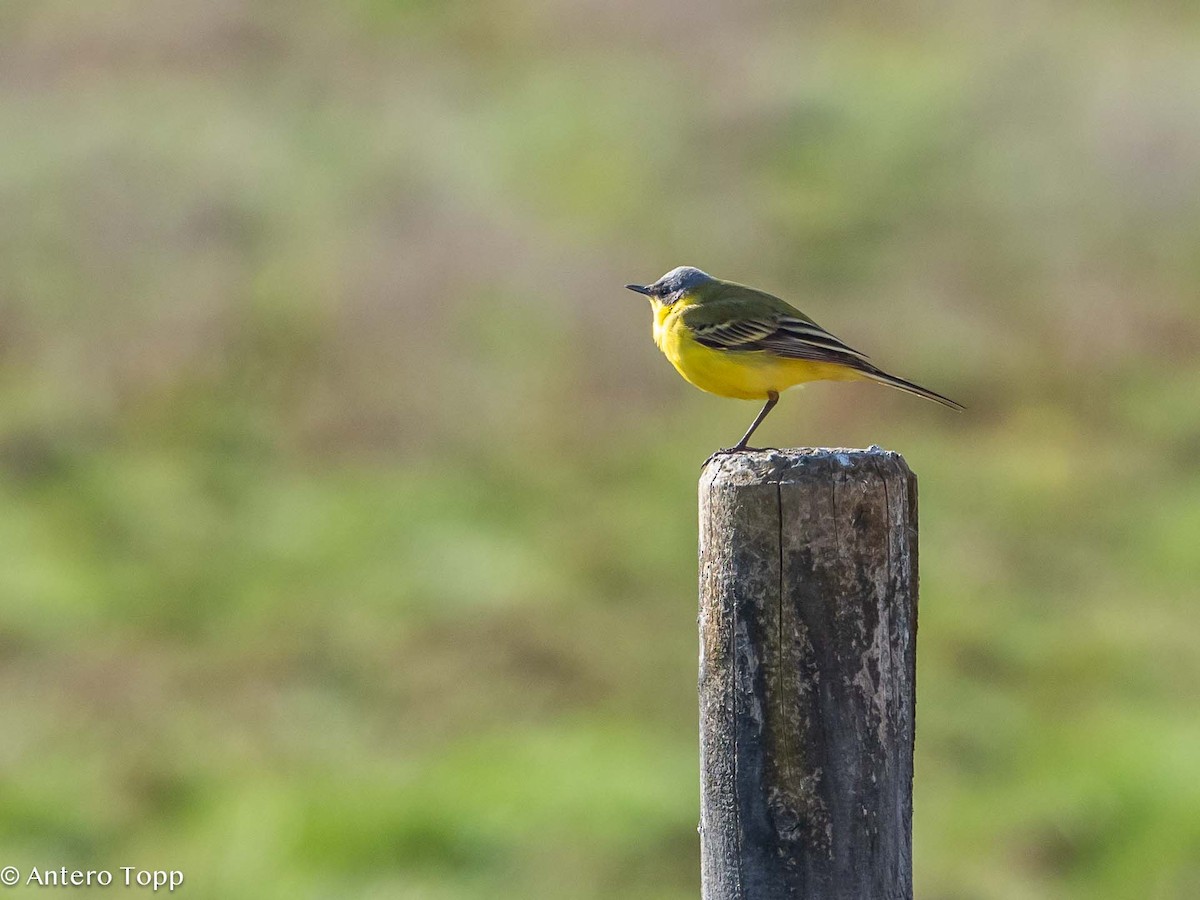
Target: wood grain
{"points": [[808, 618]]}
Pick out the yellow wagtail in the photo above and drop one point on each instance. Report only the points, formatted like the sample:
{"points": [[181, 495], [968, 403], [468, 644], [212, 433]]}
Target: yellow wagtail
{"points": [[735, 341]]}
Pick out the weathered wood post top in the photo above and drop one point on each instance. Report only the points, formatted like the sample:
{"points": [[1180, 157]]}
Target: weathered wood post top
{"points": [[808, 619]]}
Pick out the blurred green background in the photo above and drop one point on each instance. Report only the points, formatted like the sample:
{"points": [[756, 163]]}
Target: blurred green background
{"points": [[348, 511]]}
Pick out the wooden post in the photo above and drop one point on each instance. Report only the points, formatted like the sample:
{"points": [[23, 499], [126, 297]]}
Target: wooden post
{"points": [[808, 623]]}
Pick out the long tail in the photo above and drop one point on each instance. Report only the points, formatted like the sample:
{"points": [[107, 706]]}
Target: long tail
{"points": [[892, 381]]}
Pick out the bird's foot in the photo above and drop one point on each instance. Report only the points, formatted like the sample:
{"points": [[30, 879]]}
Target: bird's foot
{"points": [[729, 451], [724, 451]]}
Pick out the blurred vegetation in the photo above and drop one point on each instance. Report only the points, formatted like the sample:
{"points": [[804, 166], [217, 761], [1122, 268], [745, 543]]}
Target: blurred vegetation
{"points": [[348, 510]]}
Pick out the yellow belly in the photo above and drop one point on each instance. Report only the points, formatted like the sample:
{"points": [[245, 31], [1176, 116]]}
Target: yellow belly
{"points": [[744, 376]]}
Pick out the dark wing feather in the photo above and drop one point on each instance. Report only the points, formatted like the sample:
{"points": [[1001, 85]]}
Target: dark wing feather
{"points": [[733, 334], [779, 335], [734, 318], [795, 336]]}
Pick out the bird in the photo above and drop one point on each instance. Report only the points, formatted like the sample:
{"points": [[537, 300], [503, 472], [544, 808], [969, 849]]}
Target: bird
{"points": [[736, 341]]}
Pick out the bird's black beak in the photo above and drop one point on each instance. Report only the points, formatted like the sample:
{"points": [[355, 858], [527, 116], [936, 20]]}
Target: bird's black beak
{"points": [[640, 288]]}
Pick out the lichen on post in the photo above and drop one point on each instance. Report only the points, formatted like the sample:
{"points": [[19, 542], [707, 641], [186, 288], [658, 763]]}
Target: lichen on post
{"points": [[808, 617]]}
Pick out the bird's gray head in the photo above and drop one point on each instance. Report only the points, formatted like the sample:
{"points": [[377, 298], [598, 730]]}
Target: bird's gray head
{"points": [[674, 284]]}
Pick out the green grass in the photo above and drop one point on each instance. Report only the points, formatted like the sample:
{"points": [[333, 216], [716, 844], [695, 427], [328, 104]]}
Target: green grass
{"points": [[349, 513]]}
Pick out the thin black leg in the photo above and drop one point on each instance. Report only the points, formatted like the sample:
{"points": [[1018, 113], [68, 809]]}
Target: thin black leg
{"points": [[772, 399]]}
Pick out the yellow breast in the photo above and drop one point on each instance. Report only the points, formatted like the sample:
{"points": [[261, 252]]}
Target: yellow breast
{"points": [[727, 373]]}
